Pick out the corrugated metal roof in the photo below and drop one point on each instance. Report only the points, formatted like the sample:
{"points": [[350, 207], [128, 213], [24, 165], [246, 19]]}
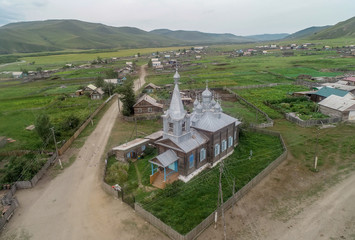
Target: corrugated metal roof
{"points": [[338, 103], [92, 87], [211, 122], [165, 159], [327, 91], [196, 140], [338, 86], [131, 144]]}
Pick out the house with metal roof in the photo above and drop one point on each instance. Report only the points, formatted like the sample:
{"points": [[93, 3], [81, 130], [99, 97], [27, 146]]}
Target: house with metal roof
{"points": [[325, 92], [337, 106], [192, 142]]}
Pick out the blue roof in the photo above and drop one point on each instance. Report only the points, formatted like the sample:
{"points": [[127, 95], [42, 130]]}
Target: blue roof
{"points": [[327, 91]]}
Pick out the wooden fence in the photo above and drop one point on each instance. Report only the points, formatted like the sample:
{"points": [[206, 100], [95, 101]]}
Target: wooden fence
{"points": [[67, 144], [258, 86], [226, 205], [269, 121], [311, 122]]}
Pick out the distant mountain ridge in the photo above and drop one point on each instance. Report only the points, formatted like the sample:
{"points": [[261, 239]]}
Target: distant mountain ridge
{"points": [[200, 37], [56, 35], [339, 30], [268, 37]]}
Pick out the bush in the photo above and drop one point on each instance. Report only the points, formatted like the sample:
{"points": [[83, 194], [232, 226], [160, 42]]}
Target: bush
{"points": [[117, 173]]}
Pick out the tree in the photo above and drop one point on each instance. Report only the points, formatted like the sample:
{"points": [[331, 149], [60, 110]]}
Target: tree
{"points": [[138, 54], [39, 69], [150, 64], [110, 73], [71, 122], [108, 88], [42, 126], [99, 82], [127, 98]]}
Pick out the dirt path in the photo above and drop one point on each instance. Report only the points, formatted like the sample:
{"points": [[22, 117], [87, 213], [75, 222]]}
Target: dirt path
{"points": [[73, 205], [330, 216], [138, 83]]}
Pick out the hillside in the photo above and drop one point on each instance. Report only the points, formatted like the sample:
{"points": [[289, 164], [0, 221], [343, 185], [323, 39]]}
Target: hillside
{"points": [[306, 33], [53, 35], [345, 29], [56, 35], [268, 37], [196, 37]]}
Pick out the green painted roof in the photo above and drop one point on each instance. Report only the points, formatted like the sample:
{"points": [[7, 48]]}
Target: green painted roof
{"points": [[327, 91]]}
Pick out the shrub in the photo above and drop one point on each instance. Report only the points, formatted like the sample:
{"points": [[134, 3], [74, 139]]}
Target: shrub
{"points": [[117, 173]]}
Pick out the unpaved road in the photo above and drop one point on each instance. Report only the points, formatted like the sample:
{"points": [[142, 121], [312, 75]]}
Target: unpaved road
{"points": [[73, 206], [330, 216]]}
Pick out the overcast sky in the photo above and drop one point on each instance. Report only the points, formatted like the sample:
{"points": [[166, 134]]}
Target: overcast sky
{"points": [[240, 17]]}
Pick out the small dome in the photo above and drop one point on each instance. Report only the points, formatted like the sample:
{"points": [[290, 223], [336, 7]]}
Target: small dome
{"points": [[217, 107], [206, 93], [199, 108], [196, 102], [213, 102]]}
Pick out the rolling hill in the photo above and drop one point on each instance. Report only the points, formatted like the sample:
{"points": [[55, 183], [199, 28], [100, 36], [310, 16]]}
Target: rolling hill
{"points": [[268, 37], [196, 37], [345, 29], [306, 33], [56, 35]]}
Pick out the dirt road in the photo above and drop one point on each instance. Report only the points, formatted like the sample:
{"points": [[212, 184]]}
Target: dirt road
{"points": [[330, 216], [73, 206]]}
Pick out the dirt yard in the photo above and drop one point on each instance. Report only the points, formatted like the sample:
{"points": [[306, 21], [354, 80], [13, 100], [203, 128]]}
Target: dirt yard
{"points": [[284, 206]]}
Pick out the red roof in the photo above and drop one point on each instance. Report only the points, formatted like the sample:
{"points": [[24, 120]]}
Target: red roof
{"points": [[350, 79]]}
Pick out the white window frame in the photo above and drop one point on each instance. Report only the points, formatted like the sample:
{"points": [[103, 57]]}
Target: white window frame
{"points": [[230, 141], [216, 150], [224, 145], [139, 110], [150, 109], [202, 154]]}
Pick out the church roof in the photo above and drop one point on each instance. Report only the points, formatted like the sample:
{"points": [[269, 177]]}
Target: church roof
{"points": [[195, 140], [176, 109], [211, 122], [165, 159]]}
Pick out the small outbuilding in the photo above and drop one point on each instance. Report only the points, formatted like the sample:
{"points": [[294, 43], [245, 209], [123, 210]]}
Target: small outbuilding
{"points": [[147, 105], [131, 150], [151, 87], [325, 92]]}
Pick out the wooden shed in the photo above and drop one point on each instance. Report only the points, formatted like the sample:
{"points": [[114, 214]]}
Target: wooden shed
{"points": [[131, 150]]}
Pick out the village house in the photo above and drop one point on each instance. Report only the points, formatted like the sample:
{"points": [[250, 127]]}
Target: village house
{"points": [[337, 85], [147, 105], [89, 89], [350, 81], [98, 93], [325, 92], [192, 142], [337, 106], [151, 87]]}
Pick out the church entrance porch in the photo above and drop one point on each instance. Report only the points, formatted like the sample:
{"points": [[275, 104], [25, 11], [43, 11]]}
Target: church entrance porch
{"points": [[164, 169]]}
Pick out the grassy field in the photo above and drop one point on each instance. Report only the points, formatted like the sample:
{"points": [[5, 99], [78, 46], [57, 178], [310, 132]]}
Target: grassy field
{"points": [[259, 95]]}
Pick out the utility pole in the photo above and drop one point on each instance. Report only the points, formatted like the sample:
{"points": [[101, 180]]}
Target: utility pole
{"points": [[220, 201], [56, 148], [135, 123], [233, 197], [316, 151]]}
